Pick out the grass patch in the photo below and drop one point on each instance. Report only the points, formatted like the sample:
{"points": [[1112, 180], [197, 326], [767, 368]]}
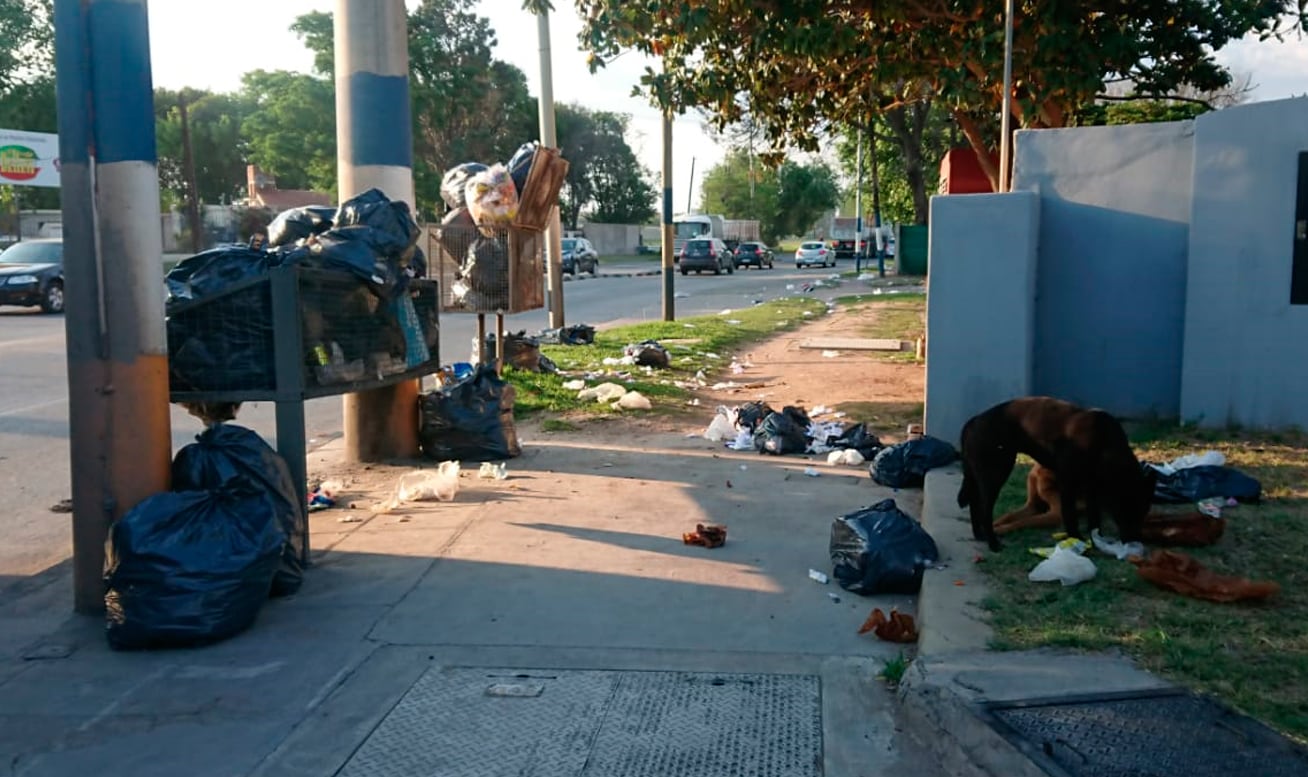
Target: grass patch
{"points": [[558, 425], [1253, 656], [893, 670], [893, 417], [700, 343], [899, 317]]}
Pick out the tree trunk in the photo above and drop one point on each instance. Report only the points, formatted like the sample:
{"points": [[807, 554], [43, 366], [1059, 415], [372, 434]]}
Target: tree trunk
{"points": [[908, 136], [978, 143]]}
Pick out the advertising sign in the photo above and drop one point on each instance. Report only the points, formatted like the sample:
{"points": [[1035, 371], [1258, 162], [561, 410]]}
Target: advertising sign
{"points": [[29, 158]]}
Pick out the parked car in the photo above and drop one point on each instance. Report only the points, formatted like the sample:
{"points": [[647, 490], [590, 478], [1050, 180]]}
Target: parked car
{"points": [[579, 256], [753, 254], [32, 273], [707, 253], [814, 252]]}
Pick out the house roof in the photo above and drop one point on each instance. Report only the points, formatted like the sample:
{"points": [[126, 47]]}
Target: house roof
{"points": [[283, 199]]}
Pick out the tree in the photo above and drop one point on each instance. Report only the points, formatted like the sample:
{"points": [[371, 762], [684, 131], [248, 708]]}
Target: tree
{"points": [[604, 177], [738, 56], [27, 85], [290, 127], [467, 106], [787, 199], [217, 145]]}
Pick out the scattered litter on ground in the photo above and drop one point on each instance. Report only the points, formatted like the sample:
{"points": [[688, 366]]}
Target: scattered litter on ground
{"points": [[835, 597], [1116, 548], [734, 321], [848, 458], [706, 535], [809, 471], [1065, 566], [744, 467], [880, 549], [897, 628], [634, 400], [1184, 529], [648, 353], [817, 576], [905, 464], [722, 427], [1182, 573], [349, 519], [493, 471], [574, 385], [1212, 506], [830, 354], [604, 392], [680, 295], [425, 485], [726, 312], [1205, 459]]}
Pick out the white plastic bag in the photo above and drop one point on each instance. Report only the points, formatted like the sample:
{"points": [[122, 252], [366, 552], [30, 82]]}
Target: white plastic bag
{"points": [[574, 385], [1121, 550], [496, 471], [634, 400], [848, 457], [604, 392], [720, 428], [1065, 566], [1205, 459], [425, 485]]}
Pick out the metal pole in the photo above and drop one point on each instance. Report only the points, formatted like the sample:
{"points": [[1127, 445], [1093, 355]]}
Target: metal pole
{"points": [[548, 136], [858, 205], [690, 188], [876, 200], [669, 237], [119, 437], [1005, 121], [374, 147]]}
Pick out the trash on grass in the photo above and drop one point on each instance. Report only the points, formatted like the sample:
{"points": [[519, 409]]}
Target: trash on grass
{"points": [[1065, 566], [633, 400], [1212, 506], [1205, 459], [604, 392], [1182, 573], [574, 385], [1065, 542], [648, 354], [1116, 548], [1185, 529], [707, 535]]}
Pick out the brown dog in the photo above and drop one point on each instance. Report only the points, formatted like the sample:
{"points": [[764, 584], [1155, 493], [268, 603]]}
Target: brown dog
{"points": [[1085, 447], [1042, 509]]}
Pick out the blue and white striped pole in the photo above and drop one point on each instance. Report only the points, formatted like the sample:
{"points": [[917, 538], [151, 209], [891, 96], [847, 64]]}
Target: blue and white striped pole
{"points": [[119, 433], [374, 148]]}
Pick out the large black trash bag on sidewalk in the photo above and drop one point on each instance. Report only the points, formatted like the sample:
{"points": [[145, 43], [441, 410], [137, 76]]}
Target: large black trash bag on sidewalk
{"points": [[470, 421], [1192, 484], [298, 223], [857, 437], [782, 433], [225, 452], [210, 272], [190, 567], [880, 550], [905, 464]]}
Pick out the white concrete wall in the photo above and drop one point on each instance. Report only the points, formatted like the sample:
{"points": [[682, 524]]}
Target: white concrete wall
{"points": [[1114, 236], [980, 305], [613, 239], [1246, 347]]}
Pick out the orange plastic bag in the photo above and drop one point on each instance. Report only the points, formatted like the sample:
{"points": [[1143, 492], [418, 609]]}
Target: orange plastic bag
{"points": [[897, 628], [1188, 529], [1182, 573], [708, 535]]}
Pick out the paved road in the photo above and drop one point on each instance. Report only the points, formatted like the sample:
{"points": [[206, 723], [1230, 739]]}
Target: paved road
{"points": [[33, 391]]}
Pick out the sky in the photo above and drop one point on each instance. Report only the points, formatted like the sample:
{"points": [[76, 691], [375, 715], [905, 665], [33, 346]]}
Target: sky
{"points": [[194, 46]]}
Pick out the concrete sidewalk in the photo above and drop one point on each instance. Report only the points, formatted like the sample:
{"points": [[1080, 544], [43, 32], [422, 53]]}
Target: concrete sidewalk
{"points": [[530, 620]]}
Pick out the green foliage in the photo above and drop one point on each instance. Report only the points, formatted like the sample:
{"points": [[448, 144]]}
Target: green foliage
{"points": [[739, 57], [217, 145], [605, 180], [290, 130], [786, 200], [892, 671], [911, 140], [1139, 112], [27, 86]]}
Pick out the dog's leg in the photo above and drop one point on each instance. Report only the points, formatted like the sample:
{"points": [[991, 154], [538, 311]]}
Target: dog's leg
{"points": [[990, 478], [1070, 486]]}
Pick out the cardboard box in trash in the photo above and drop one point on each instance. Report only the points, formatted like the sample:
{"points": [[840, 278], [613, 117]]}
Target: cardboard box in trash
{"points": [[541, 191]]}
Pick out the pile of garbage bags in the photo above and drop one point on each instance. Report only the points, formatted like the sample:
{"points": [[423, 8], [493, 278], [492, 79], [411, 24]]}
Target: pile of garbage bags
{"points": [[756, 426], [483, 202], [905, 464], [220, 328], [194, 565], [471, 420]]}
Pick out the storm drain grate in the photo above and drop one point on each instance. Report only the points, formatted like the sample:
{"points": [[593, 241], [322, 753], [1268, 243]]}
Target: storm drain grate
{"points": [[486, 723], [1159, 734]]}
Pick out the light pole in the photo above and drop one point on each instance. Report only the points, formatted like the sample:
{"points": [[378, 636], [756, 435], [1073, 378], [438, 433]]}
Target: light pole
{"points": [[549, 137], [1005, 121]]}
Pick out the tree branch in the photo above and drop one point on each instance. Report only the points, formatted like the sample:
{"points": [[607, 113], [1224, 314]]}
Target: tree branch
{"points": [[1132, 97]]}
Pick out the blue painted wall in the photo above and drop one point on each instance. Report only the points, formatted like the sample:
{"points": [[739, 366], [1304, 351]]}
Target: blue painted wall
{"points": [[1246, 347], [1110, 285]]}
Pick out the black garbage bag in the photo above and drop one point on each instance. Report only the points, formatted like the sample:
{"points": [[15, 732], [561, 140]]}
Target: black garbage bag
{"points": [[752, 414], [455, 183], [364, 252], [880, 550], [390, 217], [190, 567], [298, 223], [210, 272], [649, 354], [485, 274], [1195, 483], [520, 164], [225, 452], [905, 464], [470, 421], [780, 435], [857, 437], [577, 334], [521, 351]]}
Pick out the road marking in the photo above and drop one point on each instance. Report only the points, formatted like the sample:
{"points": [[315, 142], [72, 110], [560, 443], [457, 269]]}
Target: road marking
{"points": [[25, 408], [31, 340]]}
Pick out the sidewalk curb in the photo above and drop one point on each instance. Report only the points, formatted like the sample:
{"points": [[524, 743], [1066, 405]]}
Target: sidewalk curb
{"points": [[639, 274], [944, 692]]}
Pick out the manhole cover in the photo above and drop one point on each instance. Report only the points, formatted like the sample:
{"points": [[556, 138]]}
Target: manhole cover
{"points": [[1167, 734], [593, 724]]}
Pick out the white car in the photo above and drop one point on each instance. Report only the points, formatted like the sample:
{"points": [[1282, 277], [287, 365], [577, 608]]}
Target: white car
{"points": [[814, 252]]}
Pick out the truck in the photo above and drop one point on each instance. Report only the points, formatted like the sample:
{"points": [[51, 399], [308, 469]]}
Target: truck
{"points": [[844, 232], [733, 232]]}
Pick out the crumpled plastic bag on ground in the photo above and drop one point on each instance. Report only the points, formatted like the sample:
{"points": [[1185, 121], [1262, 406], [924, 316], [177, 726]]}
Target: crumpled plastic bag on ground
{"points": [[1205, 459], [1183, 529], [706, 535], [634, 400], [493, 470], [1116, 548], [1182, 573], [648, 354], [1194, 484], [880, 549], [604, 392], [897, 628], [574, 385], [1065, 566], [425, 485], [721, 427], [750, 415], [848, 458], [781, 434], [905, 464]]}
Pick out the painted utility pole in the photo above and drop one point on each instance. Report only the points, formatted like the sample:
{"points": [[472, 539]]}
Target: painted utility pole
{"points": [[876, 201], [119, 436], [858, 205], [374, 148], [549, 136], [669, 236], [1006, 119]]}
